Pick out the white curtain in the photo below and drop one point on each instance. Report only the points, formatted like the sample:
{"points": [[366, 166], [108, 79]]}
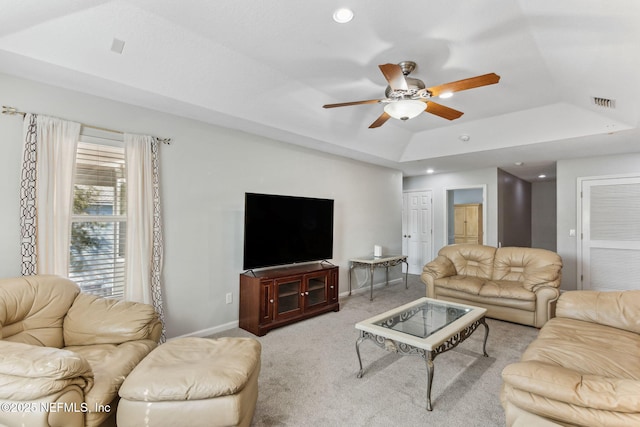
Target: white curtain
{"points": [[144, 230], [47, 193]]}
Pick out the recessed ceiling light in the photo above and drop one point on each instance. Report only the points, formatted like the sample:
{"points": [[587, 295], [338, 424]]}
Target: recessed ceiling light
{"points": [[429, 170], [519, 163], [342, 16], [542, 176], [445, 95]]}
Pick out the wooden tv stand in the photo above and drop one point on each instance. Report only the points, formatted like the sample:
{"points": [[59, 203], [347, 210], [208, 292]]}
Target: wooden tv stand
{"points": [[284, 295]]}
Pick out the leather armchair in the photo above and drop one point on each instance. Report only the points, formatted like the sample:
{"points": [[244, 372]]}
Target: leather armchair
{"points": [[64, 354]]}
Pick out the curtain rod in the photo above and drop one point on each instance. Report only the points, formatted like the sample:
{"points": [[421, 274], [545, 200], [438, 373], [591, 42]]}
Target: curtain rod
{"points": [[11, 111]]}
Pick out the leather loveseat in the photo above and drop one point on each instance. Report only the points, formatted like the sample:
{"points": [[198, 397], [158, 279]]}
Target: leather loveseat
{"points": [[515, 284], [64, 354], [583, 369]]}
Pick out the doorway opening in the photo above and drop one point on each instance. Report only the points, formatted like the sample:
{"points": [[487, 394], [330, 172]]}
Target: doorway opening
{"points": [[467, 199]]}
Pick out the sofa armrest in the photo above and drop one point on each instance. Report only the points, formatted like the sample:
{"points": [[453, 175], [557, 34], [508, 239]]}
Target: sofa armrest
{"points": [[548, 275], [30, 372], [93, 320], [439, 267], [565, 385], [618, 309], [546, 298], [436, 269]]}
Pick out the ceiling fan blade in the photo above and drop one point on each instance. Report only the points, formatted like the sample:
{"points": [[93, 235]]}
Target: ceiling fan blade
{"points": [[395, 77], [470, 83], [380, 120], [346, 104], [442, 111]]}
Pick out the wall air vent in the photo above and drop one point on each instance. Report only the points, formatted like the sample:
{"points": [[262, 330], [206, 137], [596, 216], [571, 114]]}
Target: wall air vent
{"points": [[604, 102]]}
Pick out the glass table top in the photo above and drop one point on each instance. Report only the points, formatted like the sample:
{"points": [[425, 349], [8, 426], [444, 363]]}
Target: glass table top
{"points": [[424, 319]]}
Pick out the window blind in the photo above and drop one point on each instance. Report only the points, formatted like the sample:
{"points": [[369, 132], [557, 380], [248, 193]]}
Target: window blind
{"points": [[99, 220]]}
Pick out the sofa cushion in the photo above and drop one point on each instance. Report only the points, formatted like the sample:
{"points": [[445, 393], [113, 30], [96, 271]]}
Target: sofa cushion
{"points": [[506, 289], [468, 284], [483, 301], [616, 309], [587, 348], [486, 288], [531, 266], [470, 259], [33, 309], [93, 320], [565, 385]]}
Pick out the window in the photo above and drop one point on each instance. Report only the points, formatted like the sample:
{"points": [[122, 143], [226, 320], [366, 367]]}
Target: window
{"points": [[99, 219]]}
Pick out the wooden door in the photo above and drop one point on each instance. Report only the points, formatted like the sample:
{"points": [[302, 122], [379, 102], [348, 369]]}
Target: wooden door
{"points": [[473, 223], [467, 221], [459, 224]]}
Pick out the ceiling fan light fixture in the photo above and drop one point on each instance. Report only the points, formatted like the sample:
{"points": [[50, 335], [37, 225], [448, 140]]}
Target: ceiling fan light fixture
{"points": [[343, 15], [404, 109]]}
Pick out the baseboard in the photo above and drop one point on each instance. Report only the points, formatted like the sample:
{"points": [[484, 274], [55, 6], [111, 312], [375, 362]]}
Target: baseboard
{"points": [[231, 325], [209, 331]]}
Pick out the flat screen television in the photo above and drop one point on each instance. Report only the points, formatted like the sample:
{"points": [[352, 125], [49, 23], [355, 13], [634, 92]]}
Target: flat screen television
{"points": [[281, 230]]}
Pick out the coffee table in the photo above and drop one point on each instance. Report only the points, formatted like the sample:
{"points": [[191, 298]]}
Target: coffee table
{"points": [[424, 327]]}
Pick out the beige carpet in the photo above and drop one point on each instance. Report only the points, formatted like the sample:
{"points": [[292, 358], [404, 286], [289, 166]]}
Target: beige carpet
{"points": [[309, 369]]}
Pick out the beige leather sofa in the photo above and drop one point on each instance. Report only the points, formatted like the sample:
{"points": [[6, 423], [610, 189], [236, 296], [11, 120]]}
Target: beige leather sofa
{"points": [[583, 369], [515, 284], [64, 354]]}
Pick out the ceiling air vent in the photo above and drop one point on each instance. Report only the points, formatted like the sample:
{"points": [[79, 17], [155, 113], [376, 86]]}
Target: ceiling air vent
{"points": [[604, 102]]}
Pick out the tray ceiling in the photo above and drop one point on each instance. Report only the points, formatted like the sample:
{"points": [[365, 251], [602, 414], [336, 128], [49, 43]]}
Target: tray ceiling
{"points": [[268, 67]]}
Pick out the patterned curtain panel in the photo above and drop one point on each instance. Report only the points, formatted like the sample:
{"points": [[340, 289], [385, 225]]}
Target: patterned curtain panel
{"points": [[144, 234], [28, 197], [47, 177]]}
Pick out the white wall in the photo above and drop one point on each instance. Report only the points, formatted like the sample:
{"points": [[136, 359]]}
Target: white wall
{"points": [[204, 175], [439, 183], [568, 172]]}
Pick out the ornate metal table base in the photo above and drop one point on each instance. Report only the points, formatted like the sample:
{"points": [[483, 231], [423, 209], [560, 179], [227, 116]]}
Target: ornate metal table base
{"points": [[427, 355], [373, 263]]}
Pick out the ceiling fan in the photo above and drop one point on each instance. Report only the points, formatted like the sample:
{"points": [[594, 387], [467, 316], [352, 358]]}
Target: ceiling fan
{"points": [[405, 97]]}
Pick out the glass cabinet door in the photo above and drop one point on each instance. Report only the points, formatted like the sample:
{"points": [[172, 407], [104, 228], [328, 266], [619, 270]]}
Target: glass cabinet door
{"points": [[288, 297], [316, 292]]}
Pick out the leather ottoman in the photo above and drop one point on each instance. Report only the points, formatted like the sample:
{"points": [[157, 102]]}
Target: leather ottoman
{"points": [[193, 382]]}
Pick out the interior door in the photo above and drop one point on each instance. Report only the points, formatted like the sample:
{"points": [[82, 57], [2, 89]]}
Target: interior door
{"points": [[417, 230], [459, 224], [610, 244]]}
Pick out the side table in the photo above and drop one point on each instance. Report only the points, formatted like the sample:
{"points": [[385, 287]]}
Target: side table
{"points": [[372, 262]]}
